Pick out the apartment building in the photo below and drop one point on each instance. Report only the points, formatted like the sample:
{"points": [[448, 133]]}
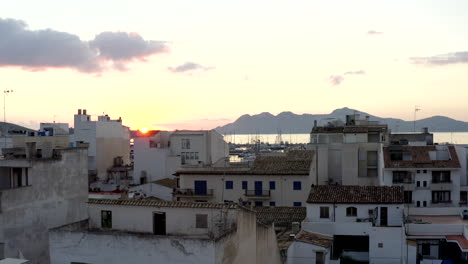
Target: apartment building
{"points": [[158, 154], [432, 175], [107, 140], [149, 231], [275, 179], [39, 192], [361, 223], [349, 153]]}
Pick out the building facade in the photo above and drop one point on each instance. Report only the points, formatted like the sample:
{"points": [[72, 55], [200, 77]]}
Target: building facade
{"points": [[280, 179], [37, 194]]}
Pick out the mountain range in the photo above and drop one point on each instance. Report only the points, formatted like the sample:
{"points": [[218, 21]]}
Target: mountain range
{"points": [[290, 123]]}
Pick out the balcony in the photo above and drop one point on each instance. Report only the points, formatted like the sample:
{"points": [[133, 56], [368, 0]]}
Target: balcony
{"points": [[443, 186], [258, 194], [193, 193]]}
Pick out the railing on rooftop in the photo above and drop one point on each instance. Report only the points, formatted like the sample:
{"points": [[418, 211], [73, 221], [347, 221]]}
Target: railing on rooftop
{"points": [[193, 192], [258, 193]]}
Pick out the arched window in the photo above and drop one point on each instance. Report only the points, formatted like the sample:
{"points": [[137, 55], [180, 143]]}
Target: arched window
{"points": [[351, 211]]}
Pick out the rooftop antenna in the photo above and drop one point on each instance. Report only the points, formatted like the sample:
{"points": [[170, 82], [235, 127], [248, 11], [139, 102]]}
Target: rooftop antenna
{"points": [[416, 109], [5, 93]]}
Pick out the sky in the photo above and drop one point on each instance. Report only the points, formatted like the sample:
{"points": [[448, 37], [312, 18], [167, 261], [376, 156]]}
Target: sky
{"points": [[200, 64]]}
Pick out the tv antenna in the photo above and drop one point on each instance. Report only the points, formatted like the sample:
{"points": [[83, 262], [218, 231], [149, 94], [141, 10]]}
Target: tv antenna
{"points": [[416, 109]]}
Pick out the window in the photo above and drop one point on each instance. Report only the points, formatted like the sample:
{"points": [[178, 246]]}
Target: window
{"points": [[402, 177], [441, 197], [185, 143], [195, 155], [297, 185], [244, 185], [400, 155], [418, 204], [351, 211], [272, 185], [463, 197], [371, 158], [424, 203], [418, 171], [319, 257], [424, 183], [424, 171], [229, 185], [440, 176], [373, 137], [408, 196], [272, 204], [106, 219], [201, 221], [426, 249], [2, 254], [324, 212], [418, 184], [258, 203], [380, 245], [297, 204]]}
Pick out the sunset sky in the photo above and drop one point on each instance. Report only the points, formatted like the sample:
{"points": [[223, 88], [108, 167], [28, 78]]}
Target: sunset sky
{"points": [[199, 64]]}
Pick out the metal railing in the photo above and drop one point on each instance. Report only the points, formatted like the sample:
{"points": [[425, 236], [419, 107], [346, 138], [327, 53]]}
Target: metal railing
{"points": [[258, 193], [193, 192]]}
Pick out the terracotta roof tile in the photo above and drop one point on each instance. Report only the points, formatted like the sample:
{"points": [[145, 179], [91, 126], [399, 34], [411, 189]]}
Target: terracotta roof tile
{"points": [[349, 194], [315, 239], [280, 215], [420, 157], [156, 203], [297, 162]]}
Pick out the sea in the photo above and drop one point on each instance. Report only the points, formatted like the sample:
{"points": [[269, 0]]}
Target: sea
{"points": [[439, 137]]}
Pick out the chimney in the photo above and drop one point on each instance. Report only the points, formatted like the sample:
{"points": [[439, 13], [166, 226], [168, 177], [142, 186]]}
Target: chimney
{"points": [[295, 226], [79, 111], [84, 111], [315, 123], [425, 130]]}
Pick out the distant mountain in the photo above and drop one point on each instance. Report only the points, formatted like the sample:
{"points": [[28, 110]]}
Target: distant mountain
{"points": [[290, 123]]}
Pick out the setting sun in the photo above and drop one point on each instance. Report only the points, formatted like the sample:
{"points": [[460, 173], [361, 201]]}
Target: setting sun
{"points": [[144, 130]]}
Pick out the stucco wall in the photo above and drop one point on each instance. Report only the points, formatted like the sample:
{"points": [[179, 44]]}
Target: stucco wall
{"points": [[57, 196], [179, 221], [338, 215], [304, 253], [123, 248], [283, 195]]}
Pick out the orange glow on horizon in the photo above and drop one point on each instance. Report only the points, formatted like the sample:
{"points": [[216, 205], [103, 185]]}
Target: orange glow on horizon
{"points": [[144, 130]]}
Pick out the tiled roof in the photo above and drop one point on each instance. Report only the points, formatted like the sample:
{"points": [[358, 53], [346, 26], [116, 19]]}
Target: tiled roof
{"points": [[166, 182], [315, 239], [349, 194], [295, 162], [280, 215], [156, 203], [420, 158]]}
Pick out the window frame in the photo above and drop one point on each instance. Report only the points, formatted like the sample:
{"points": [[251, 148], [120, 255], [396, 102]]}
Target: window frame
{"points": [[229, 185], [324, 212], [351, 211], [272, 185], [106, 219], [201, 221], [297, 185]]}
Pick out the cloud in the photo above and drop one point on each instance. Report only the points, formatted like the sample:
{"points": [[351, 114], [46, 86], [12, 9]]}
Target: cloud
{"points": [[47, 48], [189, 66], [336, 79], [444, 59], [373, 32], [360, 72]]}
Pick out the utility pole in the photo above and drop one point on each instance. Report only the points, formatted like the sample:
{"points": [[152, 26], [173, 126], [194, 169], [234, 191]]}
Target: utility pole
{"points": [[416, 109], [5, 132]]}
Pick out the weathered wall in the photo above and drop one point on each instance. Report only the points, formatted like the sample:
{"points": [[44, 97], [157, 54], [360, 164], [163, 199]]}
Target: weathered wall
{"points": [[124, 248], [57, 196], [55, 141], [150, 160], [179, 221], [304, 253]]}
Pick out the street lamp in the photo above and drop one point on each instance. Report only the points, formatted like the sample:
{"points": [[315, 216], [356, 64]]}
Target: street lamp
{"points": [[5, 93]]}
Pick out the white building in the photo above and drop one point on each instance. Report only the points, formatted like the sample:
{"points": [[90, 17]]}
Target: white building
{"points": [[158, 154], [279, 179], [432, 176], [107, 140], [349, 153], [37, 194], [366, 223], [145, 231]]}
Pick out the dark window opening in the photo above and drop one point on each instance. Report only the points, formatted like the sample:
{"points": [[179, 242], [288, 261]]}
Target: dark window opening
{"points": [[106, 219], [351, 211], [201, 221], [324, 212]]}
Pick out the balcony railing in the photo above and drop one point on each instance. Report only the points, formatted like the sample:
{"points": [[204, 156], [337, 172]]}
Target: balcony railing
{"points": [[258, 193], [193, 193]]}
